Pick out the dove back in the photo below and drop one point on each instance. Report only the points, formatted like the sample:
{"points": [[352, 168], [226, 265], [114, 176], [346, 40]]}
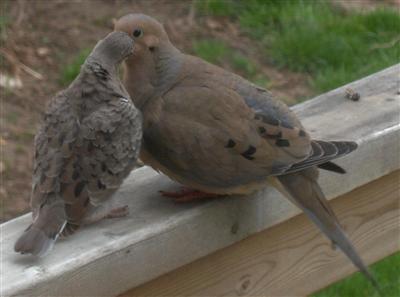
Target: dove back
{"points": [[88, 143]]}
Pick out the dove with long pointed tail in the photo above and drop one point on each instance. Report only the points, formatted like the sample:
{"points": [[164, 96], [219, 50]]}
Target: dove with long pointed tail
{"points": [[87, 144], [219, 134]]}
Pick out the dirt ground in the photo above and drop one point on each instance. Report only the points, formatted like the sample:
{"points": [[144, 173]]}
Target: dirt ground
{"points": [[38, 38]]}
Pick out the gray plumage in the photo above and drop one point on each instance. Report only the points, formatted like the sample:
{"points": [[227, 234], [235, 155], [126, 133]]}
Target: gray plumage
{"points": [[87, 144]]}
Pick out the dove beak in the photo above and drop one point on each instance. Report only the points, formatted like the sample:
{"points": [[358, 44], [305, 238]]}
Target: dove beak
{"points": [[130, 50]]}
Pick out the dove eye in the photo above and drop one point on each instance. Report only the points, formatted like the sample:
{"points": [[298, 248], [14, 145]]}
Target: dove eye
{"points": [[137, 33]]}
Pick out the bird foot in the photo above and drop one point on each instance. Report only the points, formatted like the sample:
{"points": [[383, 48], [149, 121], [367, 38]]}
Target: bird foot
{"points": [[105, 212], [118, 212], [188, 195]]}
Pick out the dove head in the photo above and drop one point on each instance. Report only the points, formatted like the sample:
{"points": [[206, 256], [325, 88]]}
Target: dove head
{"points": [[112, 50], [152, 60], [147, 32]]}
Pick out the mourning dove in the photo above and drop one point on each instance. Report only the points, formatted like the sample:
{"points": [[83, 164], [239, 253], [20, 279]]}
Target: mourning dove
{"points": [[88, 143], [217, 133]]}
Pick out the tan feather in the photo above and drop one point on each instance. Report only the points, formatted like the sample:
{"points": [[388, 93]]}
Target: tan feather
{"points": [[215, 131]]}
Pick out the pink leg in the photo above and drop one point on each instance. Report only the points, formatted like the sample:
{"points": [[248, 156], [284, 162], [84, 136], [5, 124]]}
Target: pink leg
{"points": [[118, 212], [188, 195], [105, 212]]}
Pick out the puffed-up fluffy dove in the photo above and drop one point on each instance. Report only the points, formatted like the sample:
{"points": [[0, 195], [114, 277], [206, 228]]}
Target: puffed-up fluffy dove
{"points": [[87, 144], [217, 133]]}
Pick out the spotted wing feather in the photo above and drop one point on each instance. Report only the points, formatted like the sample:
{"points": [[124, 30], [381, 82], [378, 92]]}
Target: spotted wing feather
{"points": [[110, 146]]}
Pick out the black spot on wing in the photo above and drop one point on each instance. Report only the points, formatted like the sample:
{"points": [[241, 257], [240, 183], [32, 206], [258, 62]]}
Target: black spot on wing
{"points": [[282, 143], [85, 93], [100, 185], [101, 72], [249, 152], [90, 147], [75, 174], [302, 133], [270, 120], [79, 188], [61, 138], [108, 137], [261, 130], [230, 143]]}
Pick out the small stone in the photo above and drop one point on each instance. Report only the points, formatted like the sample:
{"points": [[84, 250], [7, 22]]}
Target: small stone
{"points": [[43, 51], [352, 95], [213, 24]]}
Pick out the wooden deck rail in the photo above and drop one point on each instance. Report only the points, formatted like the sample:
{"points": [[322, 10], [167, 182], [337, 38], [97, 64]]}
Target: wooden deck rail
{"points": [[256, 245]]}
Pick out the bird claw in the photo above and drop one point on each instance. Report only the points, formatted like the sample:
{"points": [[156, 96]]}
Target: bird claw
{"points": [[118, 212]]}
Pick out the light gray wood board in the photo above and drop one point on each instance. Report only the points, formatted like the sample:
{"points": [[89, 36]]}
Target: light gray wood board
{"points": [[158, 236]]}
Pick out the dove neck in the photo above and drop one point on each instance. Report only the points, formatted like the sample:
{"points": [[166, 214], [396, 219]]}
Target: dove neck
{"points": [[147, 76], [167, 66]]}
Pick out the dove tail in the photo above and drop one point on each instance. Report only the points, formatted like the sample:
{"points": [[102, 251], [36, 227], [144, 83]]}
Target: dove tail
{"points": [[303, 190], [322, 153], [34, 241], [39, 238], [330, 166]]}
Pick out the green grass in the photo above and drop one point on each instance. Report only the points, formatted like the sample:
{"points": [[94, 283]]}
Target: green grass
{"points": [[3, 27], [217, 52], [216, 7], [4, 22], [333, 46], [212, 51], [71, 70], [387, 272], [25, 136], [243, 64], [12, 117]]}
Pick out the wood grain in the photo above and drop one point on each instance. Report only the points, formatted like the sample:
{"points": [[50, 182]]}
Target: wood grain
{"points": [[158, 236], [293, 258]]}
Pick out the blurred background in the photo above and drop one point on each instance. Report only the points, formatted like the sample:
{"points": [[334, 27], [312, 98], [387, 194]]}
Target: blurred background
{"points": [[295, 48]]}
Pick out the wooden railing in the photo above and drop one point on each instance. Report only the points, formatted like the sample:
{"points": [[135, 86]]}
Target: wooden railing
{"points": [[237, 246]]}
